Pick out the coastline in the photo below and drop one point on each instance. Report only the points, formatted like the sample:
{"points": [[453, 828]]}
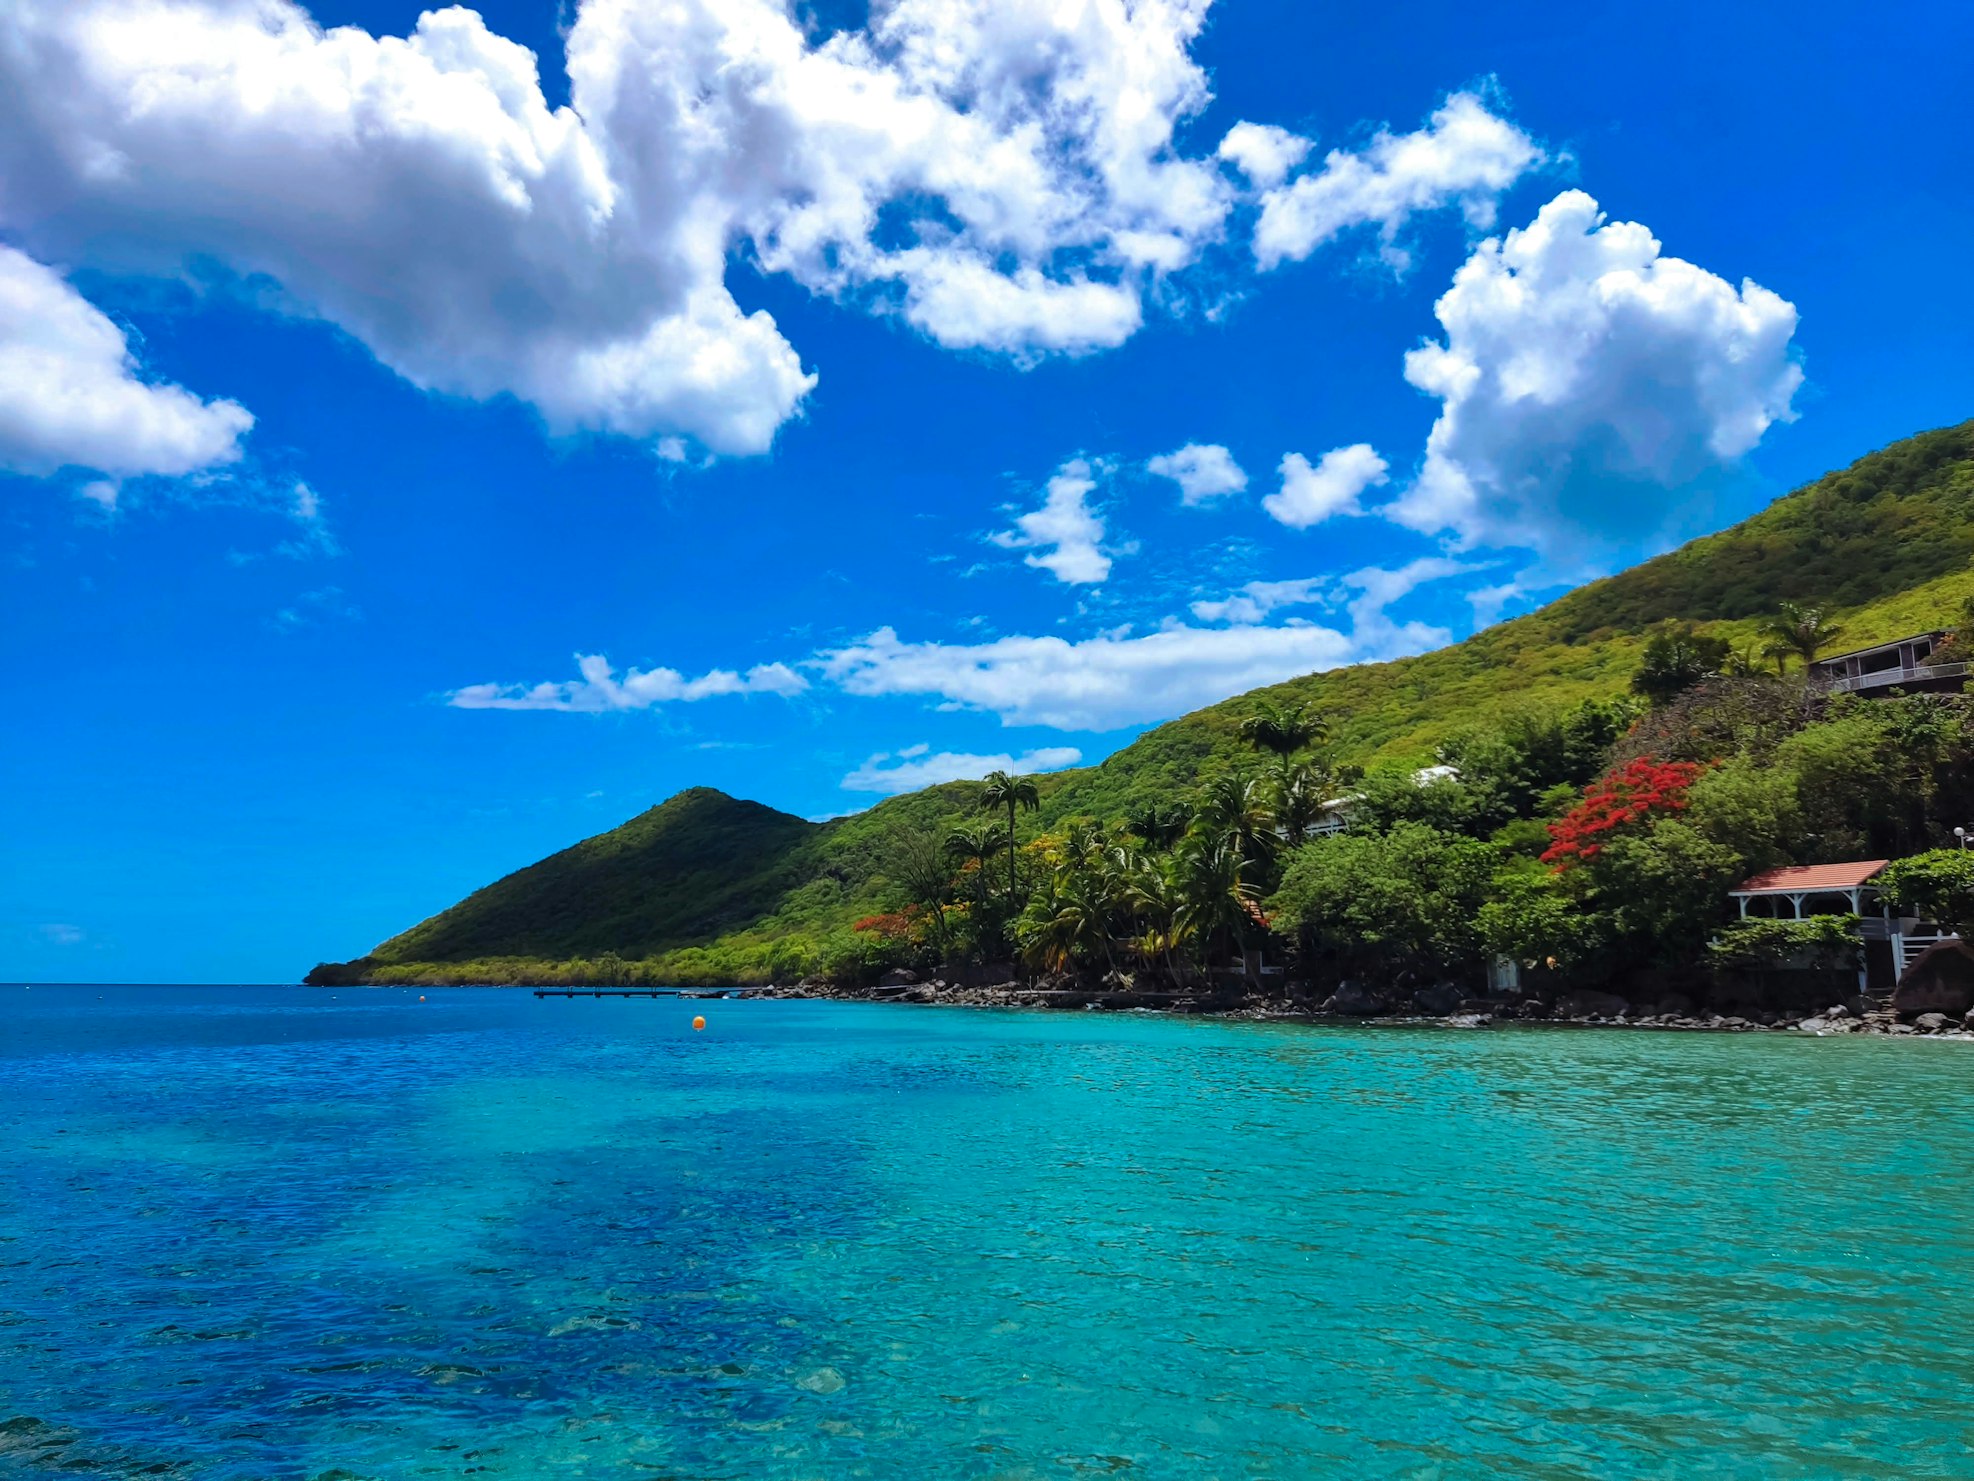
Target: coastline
{"points": [[1836, 1020]]}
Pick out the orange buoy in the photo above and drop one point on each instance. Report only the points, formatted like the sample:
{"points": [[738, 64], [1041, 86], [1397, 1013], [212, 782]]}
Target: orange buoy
{"points": [[698, 1024]]}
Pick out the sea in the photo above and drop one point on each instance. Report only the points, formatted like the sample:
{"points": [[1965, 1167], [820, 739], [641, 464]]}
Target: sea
{"points": [[250, 1233]]}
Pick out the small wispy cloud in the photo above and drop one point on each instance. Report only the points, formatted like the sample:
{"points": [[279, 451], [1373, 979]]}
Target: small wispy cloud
{"points": [[919, 766]]}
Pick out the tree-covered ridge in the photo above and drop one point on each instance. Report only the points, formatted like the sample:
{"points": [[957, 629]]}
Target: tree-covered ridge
{"points": [[690, 869], [707, 889]]}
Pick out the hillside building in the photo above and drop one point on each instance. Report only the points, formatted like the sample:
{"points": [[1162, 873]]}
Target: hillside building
{"points": [[1903, 665]]}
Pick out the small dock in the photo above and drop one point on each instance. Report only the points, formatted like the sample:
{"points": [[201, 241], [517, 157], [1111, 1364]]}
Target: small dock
{"points": [[631, 992]]}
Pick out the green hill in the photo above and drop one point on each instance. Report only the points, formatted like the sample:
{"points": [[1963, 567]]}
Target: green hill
{"points": [[715, 888]]}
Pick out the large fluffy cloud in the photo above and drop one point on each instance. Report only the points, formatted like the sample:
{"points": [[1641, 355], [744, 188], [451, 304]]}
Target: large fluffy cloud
{"points": [[1001, 173], [599, 689], [1465, 156], [1589, 387], [921, 766], [71, 394]]}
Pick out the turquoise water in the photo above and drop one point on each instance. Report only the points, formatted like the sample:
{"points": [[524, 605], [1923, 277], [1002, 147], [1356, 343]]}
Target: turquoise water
{"points": [[265, 1233]]}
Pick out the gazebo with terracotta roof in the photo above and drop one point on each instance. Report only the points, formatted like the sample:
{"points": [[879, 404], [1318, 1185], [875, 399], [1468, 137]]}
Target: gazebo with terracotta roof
{"points": [[1798, 883]]}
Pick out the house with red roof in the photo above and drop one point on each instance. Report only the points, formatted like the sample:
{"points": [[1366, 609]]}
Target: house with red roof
{"points": [[1798, 891]]}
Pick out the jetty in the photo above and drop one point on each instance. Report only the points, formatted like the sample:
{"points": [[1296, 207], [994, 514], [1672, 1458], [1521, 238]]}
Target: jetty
{"points": [[633, 992]]}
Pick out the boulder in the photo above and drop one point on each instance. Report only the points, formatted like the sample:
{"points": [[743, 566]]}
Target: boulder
{"points": [[1675, 1003], [898, 977], [1933, 1023], [1534, 1008], [1940, 981], [1354, 998], [1589, 1003], [1814, 1025], [1437, 1000]]}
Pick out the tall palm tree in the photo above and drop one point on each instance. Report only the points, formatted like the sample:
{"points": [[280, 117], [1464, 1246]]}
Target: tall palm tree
{"points": [[1215, 896], [1798, 631], [998, 789], [1152, 895], [1284, 729], [977, 844]]}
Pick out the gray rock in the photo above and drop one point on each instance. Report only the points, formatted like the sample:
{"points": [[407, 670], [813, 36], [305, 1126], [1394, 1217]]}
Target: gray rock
{"points": [[1534, 1008], [1354, 998], [1817, 1025], [1437, 1000], [1968, 1022], [1933, 1023], [1840, 1011], [1589, 1003], [1470, 1020], [898, 977]]}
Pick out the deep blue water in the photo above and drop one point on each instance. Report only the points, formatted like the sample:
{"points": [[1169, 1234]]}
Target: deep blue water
{"points": [[276, 1232]]}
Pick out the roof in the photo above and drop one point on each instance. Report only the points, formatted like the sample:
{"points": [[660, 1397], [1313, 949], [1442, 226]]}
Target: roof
{"points": [[1798, 878]]}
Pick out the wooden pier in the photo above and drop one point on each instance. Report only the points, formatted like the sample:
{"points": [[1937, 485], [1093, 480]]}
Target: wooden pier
{"points": [[631, 992]]}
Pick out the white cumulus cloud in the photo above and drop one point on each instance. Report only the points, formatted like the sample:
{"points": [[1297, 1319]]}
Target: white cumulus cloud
{"points": [[1065, 532], [920, 766], [1590, 386], [1263, 152], [1203, 471], [599, 689], [1465, 156], [1002, 173], [1098, 683], [72, 394], [1309, 495]]}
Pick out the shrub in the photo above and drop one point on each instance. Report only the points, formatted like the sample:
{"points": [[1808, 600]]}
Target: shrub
{"points": [[1820, 941], [1937, 885]]}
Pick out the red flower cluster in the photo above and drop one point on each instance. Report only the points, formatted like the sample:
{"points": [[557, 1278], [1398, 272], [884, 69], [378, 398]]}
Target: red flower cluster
{"points": [[1628, 795], [897, 926]]}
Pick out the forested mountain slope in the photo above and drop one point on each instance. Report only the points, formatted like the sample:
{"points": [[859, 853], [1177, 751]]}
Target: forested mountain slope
{"points": [[711, 885]]}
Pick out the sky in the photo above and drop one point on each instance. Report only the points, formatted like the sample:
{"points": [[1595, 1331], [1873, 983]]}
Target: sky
{"points": [[429, 439]]}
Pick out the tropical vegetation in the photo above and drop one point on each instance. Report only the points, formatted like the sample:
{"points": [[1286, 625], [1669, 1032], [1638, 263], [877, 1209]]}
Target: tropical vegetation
{"points": [[1600, 771]]}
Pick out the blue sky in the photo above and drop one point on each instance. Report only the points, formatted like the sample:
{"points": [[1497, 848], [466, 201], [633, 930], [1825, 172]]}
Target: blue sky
{"points": [[815, 374]]}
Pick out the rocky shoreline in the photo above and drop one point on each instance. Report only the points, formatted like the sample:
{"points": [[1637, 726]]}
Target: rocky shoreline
{"points": [[1442, 1007]]}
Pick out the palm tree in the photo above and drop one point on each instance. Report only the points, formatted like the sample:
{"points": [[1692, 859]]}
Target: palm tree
{"points": [[977, 844], [998, 789], [1159, 827], [1284, 729], [1215, 898], [1797, 631], [1234, 806], [1151, 893], [1296, 798]]}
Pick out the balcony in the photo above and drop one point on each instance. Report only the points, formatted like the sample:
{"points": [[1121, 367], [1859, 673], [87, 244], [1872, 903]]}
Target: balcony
{"points": [[1892, 677]]}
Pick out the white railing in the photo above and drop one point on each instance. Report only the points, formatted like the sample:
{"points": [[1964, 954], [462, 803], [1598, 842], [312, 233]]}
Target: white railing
{"points": [[1906, 946], [1851, 683]]}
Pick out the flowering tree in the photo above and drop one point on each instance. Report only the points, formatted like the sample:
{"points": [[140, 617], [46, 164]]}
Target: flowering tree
{"points": [[897, 925], [1640, 791]]}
